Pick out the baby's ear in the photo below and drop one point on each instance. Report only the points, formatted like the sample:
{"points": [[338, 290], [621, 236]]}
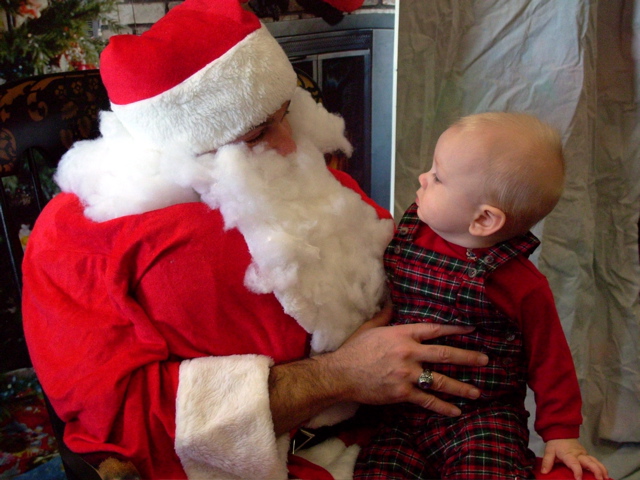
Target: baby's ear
{"points": [[487, 221]]}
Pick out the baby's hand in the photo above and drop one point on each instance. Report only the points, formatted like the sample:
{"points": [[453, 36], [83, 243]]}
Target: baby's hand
{"points": [[570, 452]]}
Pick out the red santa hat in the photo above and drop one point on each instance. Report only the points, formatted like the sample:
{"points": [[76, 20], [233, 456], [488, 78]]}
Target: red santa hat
{"points": [[203, 75]]}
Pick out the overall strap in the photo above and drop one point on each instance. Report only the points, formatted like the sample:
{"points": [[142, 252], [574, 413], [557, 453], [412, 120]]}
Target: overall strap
{"points": [[502, 252]]}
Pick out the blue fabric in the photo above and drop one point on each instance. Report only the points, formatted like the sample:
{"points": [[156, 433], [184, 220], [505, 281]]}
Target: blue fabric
{"points": [[52, 470]]}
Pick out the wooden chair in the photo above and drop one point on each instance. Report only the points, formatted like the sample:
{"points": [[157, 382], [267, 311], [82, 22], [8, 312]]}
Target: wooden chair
{"points": [[41, 118]]}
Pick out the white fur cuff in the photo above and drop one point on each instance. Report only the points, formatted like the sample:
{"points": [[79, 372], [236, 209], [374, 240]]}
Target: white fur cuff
{"points": [[224, 427]]}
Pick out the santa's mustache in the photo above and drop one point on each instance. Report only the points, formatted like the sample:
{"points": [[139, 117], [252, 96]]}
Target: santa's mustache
{"points": [[260, 171]]}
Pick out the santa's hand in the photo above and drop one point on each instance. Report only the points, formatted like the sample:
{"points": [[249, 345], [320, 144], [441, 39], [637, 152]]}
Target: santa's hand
{"points": [[570, 452], [377, 365], [381, 365]]}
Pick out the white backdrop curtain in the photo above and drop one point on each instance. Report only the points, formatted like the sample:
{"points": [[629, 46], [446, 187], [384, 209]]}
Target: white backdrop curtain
{"points": [[574, 63]]}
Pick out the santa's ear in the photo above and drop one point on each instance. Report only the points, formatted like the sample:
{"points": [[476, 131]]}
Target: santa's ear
{"points": [[487, 221]]}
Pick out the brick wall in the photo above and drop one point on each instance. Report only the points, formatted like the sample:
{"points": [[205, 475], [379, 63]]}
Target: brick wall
{"points": [[136, 16]]}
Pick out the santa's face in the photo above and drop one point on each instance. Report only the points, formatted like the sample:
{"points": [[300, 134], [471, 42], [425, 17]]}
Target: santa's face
{"points": [[274, 133]]}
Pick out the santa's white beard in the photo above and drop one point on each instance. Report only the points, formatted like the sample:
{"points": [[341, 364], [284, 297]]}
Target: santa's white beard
{"points": [[314, 243]]}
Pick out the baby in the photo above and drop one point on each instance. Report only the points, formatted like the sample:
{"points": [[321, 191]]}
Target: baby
{"points": [[459, 257]]}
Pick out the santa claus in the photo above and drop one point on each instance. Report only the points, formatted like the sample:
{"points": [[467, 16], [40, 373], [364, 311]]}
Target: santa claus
{"points": [[188, 294]]}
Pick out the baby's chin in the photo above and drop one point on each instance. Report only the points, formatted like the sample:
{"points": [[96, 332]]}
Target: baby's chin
{"points": [[421, 217]]}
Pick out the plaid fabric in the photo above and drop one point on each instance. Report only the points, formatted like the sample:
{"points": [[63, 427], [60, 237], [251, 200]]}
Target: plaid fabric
{"points": [[429, 287], [489, 443]]}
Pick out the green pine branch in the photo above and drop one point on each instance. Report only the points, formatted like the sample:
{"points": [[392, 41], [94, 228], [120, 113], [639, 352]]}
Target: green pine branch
{"points": [[34, 46]]}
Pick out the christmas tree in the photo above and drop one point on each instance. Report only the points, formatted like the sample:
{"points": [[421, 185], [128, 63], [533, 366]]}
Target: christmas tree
{"points": [[42, 36]]}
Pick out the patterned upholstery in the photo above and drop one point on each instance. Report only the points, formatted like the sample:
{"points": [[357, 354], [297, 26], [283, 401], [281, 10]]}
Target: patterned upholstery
{"points": [[41, 118]]}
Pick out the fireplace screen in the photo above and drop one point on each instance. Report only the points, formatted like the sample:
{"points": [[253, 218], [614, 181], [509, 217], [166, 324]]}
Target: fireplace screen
{"points": [[353, 67], [341, 78]]}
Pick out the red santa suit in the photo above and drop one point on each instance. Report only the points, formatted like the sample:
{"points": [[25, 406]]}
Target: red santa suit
{"points": [[153, 332], [174, 270]]}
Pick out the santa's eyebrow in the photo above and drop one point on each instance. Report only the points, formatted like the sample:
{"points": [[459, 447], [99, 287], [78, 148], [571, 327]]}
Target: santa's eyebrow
{"points": [[271, 117]]}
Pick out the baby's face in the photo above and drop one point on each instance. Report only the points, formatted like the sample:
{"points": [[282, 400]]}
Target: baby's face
{"points": [[451, 192]]}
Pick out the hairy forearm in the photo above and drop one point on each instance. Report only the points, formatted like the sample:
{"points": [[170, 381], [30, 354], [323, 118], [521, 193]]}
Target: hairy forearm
{"points": [[301, 390]]}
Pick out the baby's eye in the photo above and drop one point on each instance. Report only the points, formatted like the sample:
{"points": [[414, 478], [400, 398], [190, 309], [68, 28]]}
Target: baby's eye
{"points": [[435, 178]]}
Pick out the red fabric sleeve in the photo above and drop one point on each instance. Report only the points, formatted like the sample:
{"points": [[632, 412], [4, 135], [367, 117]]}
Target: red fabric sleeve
{"points": [[112, 309], [98, 356], [552, 375], [523, 293]]}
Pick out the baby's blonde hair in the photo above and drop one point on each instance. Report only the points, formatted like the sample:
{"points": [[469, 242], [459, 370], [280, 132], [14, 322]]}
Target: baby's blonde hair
{"points": [[525, 175]]}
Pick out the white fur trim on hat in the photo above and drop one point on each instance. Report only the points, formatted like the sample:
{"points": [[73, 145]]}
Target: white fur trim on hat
{"points": [[217, 104]]}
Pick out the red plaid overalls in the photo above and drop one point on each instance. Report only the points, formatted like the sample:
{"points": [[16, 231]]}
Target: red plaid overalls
{"points": [[490, 439]]}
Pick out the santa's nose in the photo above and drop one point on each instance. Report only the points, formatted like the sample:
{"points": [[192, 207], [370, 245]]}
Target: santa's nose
{"points": [[280, 138]]}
